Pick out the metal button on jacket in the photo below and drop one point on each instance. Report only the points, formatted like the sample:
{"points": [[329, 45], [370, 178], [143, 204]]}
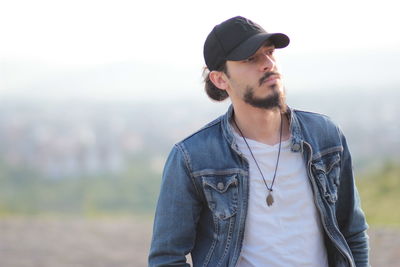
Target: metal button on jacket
{"points": [[296, 147], [220, 185]]}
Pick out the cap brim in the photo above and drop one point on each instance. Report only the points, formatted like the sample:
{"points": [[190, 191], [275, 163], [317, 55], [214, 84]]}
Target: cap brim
{"points": [[251, 45]]}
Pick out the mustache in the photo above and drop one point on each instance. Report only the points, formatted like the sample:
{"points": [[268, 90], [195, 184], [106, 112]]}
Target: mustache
{"points": [[267, 75]]}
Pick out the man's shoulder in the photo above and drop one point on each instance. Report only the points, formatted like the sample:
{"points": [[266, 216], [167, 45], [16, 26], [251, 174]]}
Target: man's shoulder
{"points": [[208, 146], [318, 129]]}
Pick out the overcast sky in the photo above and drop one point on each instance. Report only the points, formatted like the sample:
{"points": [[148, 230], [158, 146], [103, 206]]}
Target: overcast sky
{"points": [[77, 35]]}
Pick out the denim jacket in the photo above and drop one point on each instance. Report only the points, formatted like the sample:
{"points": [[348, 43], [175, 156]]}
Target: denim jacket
{"points": [[203, 201]]}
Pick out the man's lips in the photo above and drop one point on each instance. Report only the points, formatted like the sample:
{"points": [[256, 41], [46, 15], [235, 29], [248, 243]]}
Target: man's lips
{"points": [[269, 77], [272, 78]]}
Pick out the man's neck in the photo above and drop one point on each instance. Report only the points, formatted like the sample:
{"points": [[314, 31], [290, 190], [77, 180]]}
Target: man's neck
{"points": [[262, 125]]}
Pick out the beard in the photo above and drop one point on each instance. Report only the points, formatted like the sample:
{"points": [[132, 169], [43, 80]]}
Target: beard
{"points": [[275, 100]]}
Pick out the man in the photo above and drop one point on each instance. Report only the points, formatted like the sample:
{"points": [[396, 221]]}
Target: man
{"points": [[264, 184]]}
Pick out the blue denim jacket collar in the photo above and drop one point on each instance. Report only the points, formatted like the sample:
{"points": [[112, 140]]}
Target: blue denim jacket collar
{"points": [[296, 135]]}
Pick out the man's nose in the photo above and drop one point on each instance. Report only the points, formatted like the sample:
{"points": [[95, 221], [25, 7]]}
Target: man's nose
{"points": [[267, 63]]}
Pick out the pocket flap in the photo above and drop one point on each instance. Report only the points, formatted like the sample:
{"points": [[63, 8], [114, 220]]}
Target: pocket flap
{"points": [[220, 185]]}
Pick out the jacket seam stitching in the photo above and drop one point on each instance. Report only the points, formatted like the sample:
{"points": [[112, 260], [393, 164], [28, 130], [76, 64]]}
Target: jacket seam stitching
{"points": [[207, 172], [211, 250], [327, 151], [228, 241], [188, 166]]}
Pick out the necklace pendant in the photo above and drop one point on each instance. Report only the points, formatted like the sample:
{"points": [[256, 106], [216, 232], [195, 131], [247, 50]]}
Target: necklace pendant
{"points": [[270, 199]]}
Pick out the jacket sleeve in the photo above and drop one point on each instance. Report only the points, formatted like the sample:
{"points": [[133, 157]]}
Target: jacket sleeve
{"points": [[351, 219], [177, 213]]}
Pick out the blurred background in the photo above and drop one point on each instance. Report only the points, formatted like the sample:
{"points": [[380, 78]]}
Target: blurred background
{"points": [[93, 95]]}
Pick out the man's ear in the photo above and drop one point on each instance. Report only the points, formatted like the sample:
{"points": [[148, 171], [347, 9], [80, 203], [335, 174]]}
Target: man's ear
{"points": [[219, 79]]}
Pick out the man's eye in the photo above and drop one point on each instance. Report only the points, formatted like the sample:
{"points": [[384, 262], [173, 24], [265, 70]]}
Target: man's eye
{"points": [[250, 59]]}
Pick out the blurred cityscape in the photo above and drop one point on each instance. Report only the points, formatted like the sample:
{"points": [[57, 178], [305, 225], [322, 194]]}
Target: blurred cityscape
{"points": [[68, 139], [71, 138]]}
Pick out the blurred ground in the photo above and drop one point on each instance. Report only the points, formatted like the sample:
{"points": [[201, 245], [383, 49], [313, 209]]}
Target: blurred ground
{"points": [[62, 242]]}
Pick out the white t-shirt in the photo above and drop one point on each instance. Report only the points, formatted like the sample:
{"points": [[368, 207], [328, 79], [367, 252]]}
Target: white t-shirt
{"points": [[289, 232]]}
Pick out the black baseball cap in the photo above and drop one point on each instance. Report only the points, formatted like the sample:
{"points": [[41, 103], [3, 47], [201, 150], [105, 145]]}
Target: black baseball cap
{"points": [[237, 39]]}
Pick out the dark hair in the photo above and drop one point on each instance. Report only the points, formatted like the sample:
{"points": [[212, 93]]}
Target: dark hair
{"points": [[212, 91]]}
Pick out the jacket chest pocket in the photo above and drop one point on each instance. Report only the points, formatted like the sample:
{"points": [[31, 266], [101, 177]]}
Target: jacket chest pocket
{"points": [[326, 171], [221, 193]]}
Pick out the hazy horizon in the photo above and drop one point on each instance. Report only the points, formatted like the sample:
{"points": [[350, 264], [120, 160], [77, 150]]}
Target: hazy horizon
{"points": [[143, 81]]}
